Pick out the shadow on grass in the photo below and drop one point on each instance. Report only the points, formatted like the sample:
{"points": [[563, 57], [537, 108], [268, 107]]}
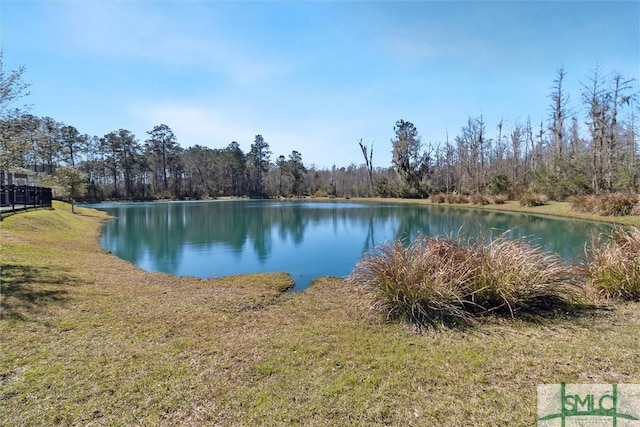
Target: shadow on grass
{"points": [[543, 315], [6, 214], [547, 315], [27, 289]]}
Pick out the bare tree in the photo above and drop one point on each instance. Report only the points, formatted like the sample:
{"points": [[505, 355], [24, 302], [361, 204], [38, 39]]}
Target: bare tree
{"points": [[368, 160], [559, 101], [619, 97], [595, 96], [517, 137], [471, 151]]}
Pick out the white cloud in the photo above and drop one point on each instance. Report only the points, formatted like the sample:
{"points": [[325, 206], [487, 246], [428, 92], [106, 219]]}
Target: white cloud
{"points": [[139, 31]]}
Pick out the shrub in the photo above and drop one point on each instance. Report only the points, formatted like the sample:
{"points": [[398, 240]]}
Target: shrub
{"points": [[532, 199], [446, 280], [438, 198], [498, 184], [479, 199], [583, 204], [613, 264], [384, 188], [499, 199], [456, 198], [616, 204], [516, 191], [560, 185]]}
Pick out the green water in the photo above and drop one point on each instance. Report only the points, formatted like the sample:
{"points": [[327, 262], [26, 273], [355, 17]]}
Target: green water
{"points": [[305, 239]]}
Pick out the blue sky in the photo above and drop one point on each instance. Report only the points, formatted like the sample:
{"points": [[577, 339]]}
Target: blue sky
{"points": [[311, 76]]}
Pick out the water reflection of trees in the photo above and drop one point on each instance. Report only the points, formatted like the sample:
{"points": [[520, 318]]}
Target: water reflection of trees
{"points": [[564, 236], [159, 232]]}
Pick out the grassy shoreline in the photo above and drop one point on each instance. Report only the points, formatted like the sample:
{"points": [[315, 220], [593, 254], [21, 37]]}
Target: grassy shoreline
{"points": [[88, 338], [555, 209]]}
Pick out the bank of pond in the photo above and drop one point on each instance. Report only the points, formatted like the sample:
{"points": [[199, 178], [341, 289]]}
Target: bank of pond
{"points": [[308, 239], [337, 238]]}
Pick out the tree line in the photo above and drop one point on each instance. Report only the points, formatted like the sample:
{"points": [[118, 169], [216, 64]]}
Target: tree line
{"points": [[556, 157]]}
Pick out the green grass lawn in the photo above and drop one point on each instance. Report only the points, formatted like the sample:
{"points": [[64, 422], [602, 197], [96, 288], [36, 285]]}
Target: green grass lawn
{"points": [[89, 339]]}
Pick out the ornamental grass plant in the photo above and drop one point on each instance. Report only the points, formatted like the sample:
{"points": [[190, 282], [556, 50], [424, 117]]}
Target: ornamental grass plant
{"points": [[436, 280], [500, 199], [613, 264], [530, 199], [425, 282], [514, 276], [614, 204], [479, 199]]}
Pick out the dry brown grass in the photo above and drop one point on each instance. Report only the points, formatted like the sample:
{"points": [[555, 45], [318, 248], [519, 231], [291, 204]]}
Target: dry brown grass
{"points": [[88, 339], [515, 276], [435, 280], [425, 283], [530, 199], [615, 204], [479, 199], [450, 198], [613, 264], [500, 199]]}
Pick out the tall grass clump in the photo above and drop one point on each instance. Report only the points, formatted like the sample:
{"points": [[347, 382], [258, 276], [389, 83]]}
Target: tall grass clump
{"points": [[530, 199], [451, 198], [514, 276], [455, 198], [438, 198], [615, 204], [423, 283], [499, 199], [584, 203], [613, 264], [479, 199], [451, 280]]}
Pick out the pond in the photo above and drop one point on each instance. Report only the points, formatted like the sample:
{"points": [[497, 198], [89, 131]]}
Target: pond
{"points": [[305, 239]]}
